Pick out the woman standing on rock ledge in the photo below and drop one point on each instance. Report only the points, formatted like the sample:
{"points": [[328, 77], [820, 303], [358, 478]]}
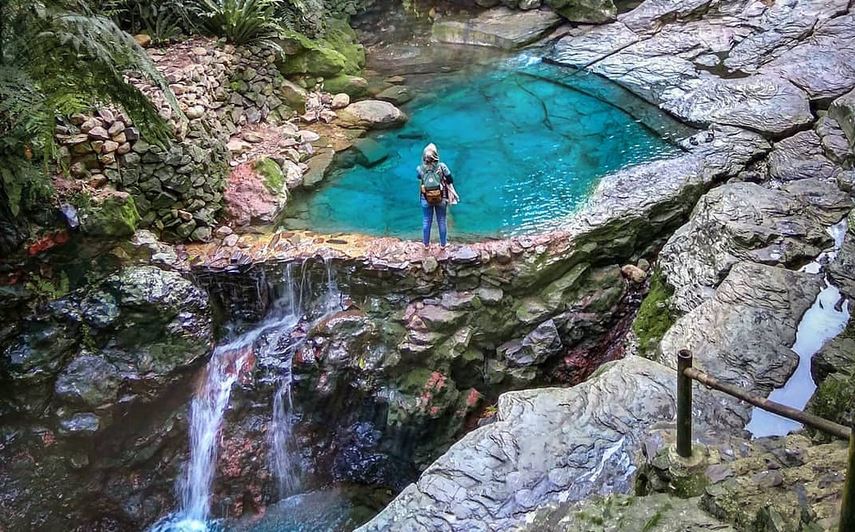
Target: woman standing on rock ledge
{"points": [[436, 185]]}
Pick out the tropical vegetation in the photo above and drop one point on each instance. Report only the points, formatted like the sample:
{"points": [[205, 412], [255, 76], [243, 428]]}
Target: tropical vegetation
{"points": [[58, 57]]}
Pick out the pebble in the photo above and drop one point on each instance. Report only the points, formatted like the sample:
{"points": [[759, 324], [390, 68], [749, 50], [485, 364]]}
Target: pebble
{"points": [[223, 231], [340, 101], [633, 273], [309, 136]]}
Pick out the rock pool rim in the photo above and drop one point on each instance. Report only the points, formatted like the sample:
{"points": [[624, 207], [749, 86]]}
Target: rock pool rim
{"points": [[622, 203]]}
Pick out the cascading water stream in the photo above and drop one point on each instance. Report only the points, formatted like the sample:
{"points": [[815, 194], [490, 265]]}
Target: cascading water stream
{"points": [[824, 320], [273, 336], [281, 459]]}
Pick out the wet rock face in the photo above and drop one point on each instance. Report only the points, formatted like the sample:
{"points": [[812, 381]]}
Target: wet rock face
{"points": [[429, 361], [743, 333], [92, 387], [746, 221], [733, 63], [548, 444]]}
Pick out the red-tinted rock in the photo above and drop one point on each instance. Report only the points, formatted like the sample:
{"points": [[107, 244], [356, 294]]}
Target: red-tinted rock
{"points": [[248, 200]]}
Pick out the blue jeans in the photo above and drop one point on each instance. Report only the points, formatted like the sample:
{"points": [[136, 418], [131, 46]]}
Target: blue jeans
{"points": [[427, 220]]}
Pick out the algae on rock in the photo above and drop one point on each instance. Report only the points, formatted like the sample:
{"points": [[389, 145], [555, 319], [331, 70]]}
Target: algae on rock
{"points": [[338, 52], [112, 215], [655, 316]]}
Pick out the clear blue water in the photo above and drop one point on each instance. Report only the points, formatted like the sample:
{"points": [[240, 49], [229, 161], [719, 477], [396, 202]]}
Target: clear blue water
{"points": [[526, 142]]}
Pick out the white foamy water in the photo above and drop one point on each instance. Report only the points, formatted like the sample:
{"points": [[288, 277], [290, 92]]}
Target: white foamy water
{"points": [[823, 321], [271, 337]]}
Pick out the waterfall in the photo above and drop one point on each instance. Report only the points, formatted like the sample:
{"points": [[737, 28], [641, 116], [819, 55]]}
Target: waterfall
{"points": [[281, 460], [270, 338], [823, 321]]}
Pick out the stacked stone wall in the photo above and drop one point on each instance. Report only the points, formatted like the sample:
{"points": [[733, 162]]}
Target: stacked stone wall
{"points": [[178, 189]]}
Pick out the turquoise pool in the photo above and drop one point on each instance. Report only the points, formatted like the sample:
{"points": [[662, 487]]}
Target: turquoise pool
{"points": [[526, 142]]}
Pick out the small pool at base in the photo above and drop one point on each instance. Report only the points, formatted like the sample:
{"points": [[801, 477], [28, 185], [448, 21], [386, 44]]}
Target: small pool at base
{"points": [[526, 141]]}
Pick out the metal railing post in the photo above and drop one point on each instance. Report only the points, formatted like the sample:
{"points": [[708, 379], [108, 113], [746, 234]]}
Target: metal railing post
{"points": [[684, 404], [847, 506]]}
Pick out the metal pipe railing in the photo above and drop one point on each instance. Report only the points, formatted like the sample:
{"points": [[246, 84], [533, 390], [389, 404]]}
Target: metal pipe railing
{"points": [[684, 404], [686, 373], [847, 505]]}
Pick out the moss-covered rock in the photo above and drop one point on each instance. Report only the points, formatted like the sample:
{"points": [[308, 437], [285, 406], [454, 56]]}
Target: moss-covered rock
{"points": [[658, 512], [654, 317], [834, 399], [353, 86], [112, 214], [271, 175], [336, 53], [833, 369]]}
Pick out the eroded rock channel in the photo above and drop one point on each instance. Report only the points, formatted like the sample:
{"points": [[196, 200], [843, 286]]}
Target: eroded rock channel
{"points": [[271, 376]]}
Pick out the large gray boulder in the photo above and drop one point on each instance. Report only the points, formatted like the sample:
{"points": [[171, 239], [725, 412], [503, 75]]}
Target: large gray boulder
{"points": [[371, 114], [779, 28], [761, 103], [742, 335], [823, 65], [548, 445], [745, 221], [652, 14], [661, 70], [737, 63], [497, 28], [593, 11], [801, 156], [593, 45]]}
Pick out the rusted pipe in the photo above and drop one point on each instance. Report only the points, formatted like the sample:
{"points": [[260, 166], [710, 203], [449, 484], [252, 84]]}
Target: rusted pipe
{"points": [[684, 404], [847, 505], [810, 420]]}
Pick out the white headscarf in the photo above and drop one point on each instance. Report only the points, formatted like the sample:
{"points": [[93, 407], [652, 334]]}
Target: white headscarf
{"points": [[430, 153]]}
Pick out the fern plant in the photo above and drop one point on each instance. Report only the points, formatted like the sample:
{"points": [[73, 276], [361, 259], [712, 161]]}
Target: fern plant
{"points": [[58, 58], [161, 20], [240, 21]]}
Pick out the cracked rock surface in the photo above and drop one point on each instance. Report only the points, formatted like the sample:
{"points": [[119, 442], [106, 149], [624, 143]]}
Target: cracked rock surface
{"points": [[727, 62], [548, 444]]}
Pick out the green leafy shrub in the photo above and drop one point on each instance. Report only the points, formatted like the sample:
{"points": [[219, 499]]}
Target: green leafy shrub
{"points": [[305, 16], [240, 21]]}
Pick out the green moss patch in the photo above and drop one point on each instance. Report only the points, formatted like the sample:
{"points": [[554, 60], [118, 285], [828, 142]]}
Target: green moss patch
{"points": [[338, 52], [113, 215], [654, 316], [835, 398], [271, 174]]}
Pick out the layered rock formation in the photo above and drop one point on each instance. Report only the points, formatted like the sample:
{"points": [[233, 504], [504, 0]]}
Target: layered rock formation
{"points": [[709, 62], [94, 384]]}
